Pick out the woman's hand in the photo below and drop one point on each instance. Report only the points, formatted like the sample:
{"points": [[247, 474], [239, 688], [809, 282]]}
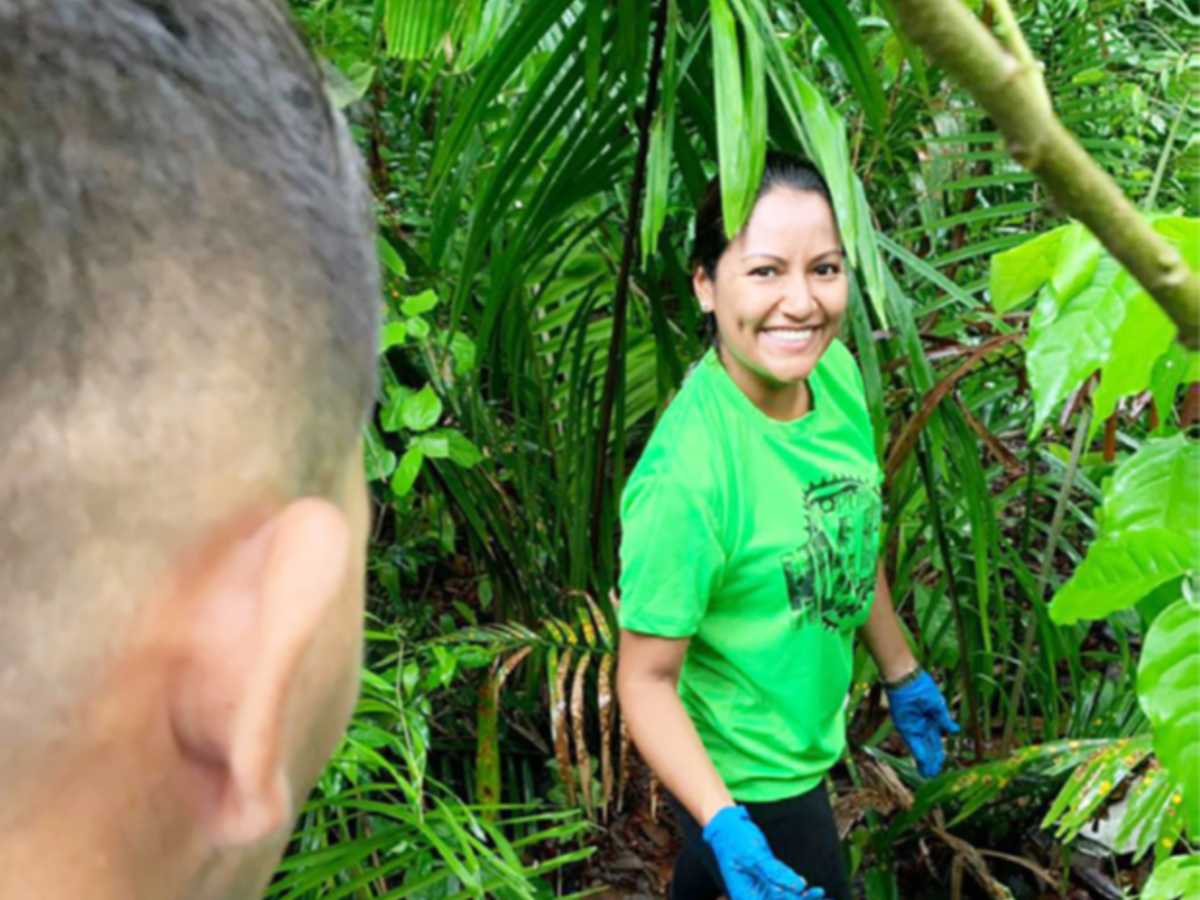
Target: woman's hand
{"points": [[750, 869], [921, 716]]}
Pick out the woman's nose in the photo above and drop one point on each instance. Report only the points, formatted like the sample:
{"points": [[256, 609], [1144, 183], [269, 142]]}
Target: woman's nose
{"points": [[797, 299]]}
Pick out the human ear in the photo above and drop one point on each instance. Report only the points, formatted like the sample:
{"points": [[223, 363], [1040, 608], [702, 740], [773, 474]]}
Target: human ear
{"points": [[703, 287], [247, 622]]}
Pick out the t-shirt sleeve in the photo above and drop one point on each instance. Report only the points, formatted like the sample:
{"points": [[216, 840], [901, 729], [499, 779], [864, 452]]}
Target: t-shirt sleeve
{"points": [[671, 557]]}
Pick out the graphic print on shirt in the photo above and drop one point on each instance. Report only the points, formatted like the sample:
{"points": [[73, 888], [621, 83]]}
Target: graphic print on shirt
{"points": [[831, 574]]}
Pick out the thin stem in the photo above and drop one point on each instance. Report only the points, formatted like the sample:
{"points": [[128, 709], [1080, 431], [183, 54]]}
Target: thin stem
{"points": [[1161, 168]]}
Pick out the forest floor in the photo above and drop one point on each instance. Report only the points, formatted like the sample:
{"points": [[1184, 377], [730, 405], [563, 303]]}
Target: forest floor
{"points": [[637, 847]]}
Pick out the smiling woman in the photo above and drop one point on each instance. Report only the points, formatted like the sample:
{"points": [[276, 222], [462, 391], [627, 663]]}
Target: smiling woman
{"points": [[778, 290], [750, 530]]}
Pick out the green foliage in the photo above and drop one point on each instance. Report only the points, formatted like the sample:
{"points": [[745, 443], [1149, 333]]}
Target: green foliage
{"points": [[500, 140], [1090, 314], [377, 818], [1176, 879], [1169, 691], [1148, 531]]}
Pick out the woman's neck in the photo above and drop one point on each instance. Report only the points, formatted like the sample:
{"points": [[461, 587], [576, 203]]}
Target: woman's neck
{"points": [[783, 402]]}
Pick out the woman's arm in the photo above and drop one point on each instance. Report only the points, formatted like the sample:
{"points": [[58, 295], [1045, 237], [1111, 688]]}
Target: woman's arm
{"points": [[917, 706], [883, 636], [647, 675]]}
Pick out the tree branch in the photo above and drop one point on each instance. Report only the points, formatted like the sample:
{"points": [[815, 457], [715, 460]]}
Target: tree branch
{"points": [[1015, 96]]}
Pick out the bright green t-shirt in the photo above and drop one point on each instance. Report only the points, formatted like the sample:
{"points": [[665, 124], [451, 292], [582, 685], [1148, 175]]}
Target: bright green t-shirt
{"points": [[757, 539]]}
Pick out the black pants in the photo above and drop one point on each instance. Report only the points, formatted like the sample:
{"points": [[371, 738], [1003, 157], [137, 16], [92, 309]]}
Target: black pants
{"points": [[800, 831]]}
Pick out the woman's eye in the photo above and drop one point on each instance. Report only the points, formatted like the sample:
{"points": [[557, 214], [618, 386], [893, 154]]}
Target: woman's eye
{"points": [[763, 271], [826, 270]]}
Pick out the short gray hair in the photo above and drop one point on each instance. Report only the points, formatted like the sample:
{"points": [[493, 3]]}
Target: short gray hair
{"points": [[188, 298]]}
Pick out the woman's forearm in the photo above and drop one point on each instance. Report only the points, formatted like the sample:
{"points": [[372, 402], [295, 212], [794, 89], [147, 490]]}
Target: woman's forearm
{"points": [[884, 637], [667, 740]]}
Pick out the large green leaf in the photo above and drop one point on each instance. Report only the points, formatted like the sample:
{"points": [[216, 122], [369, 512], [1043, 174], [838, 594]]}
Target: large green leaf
{"points": [[1144, 335], [1175, 367], [1079, 254], [1070, 339], [1178, 878], [1168, 688], [1090, 315], [1017, 274], [1148, 532], [421, 410]]}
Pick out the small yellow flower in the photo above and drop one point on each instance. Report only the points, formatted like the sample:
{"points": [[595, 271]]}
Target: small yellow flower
{"points": [[1177, 799]]}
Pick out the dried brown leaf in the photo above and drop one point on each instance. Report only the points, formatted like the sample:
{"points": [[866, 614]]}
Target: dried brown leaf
{"points": [[582, 759], [558, 724]]}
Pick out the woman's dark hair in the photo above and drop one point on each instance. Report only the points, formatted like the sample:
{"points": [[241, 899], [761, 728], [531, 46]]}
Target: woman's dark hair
{"points": [[780, 170]]}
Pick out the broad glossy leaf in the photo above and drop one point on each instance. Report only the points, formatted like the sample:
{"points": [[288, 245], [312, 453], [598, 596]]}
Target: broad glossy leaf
{"points": [[1177, 878], [418, 304], [1168, 688], [420, 411], [391, 417], [1070, 339], [1145, 334], [1175, 367], [391, 335], [1079, 253], [1148, 532], [433, 445], [418, 328], [407, 471], [1017, 274]]}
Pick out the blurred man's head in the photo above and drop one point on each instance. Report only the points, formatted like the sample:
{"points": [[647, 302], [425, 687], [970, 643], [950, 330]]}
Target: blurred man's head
{"points": [[187, 329]]}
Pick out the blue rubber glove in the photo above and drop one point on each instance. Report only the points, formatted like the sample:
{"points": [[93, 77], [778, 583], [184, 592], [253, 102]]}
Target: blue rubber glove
{"points": [[750, 869], [920, 713]]}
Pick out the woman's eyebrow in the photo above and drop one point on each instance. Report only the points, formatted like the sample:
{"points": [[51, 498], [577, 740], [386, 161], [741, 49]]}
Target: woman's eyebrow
{"points": [[833, 251]]}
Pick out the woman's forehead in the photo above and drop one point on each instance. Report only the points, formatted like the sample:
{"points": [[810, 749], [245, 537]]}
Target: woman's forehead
{"points": [[785, 221]]}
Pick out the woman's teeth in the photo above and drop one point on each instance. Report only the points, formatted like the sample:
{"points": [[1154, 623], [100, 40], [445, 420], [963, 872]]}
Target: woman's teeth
{"points": [[791, 335]]}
